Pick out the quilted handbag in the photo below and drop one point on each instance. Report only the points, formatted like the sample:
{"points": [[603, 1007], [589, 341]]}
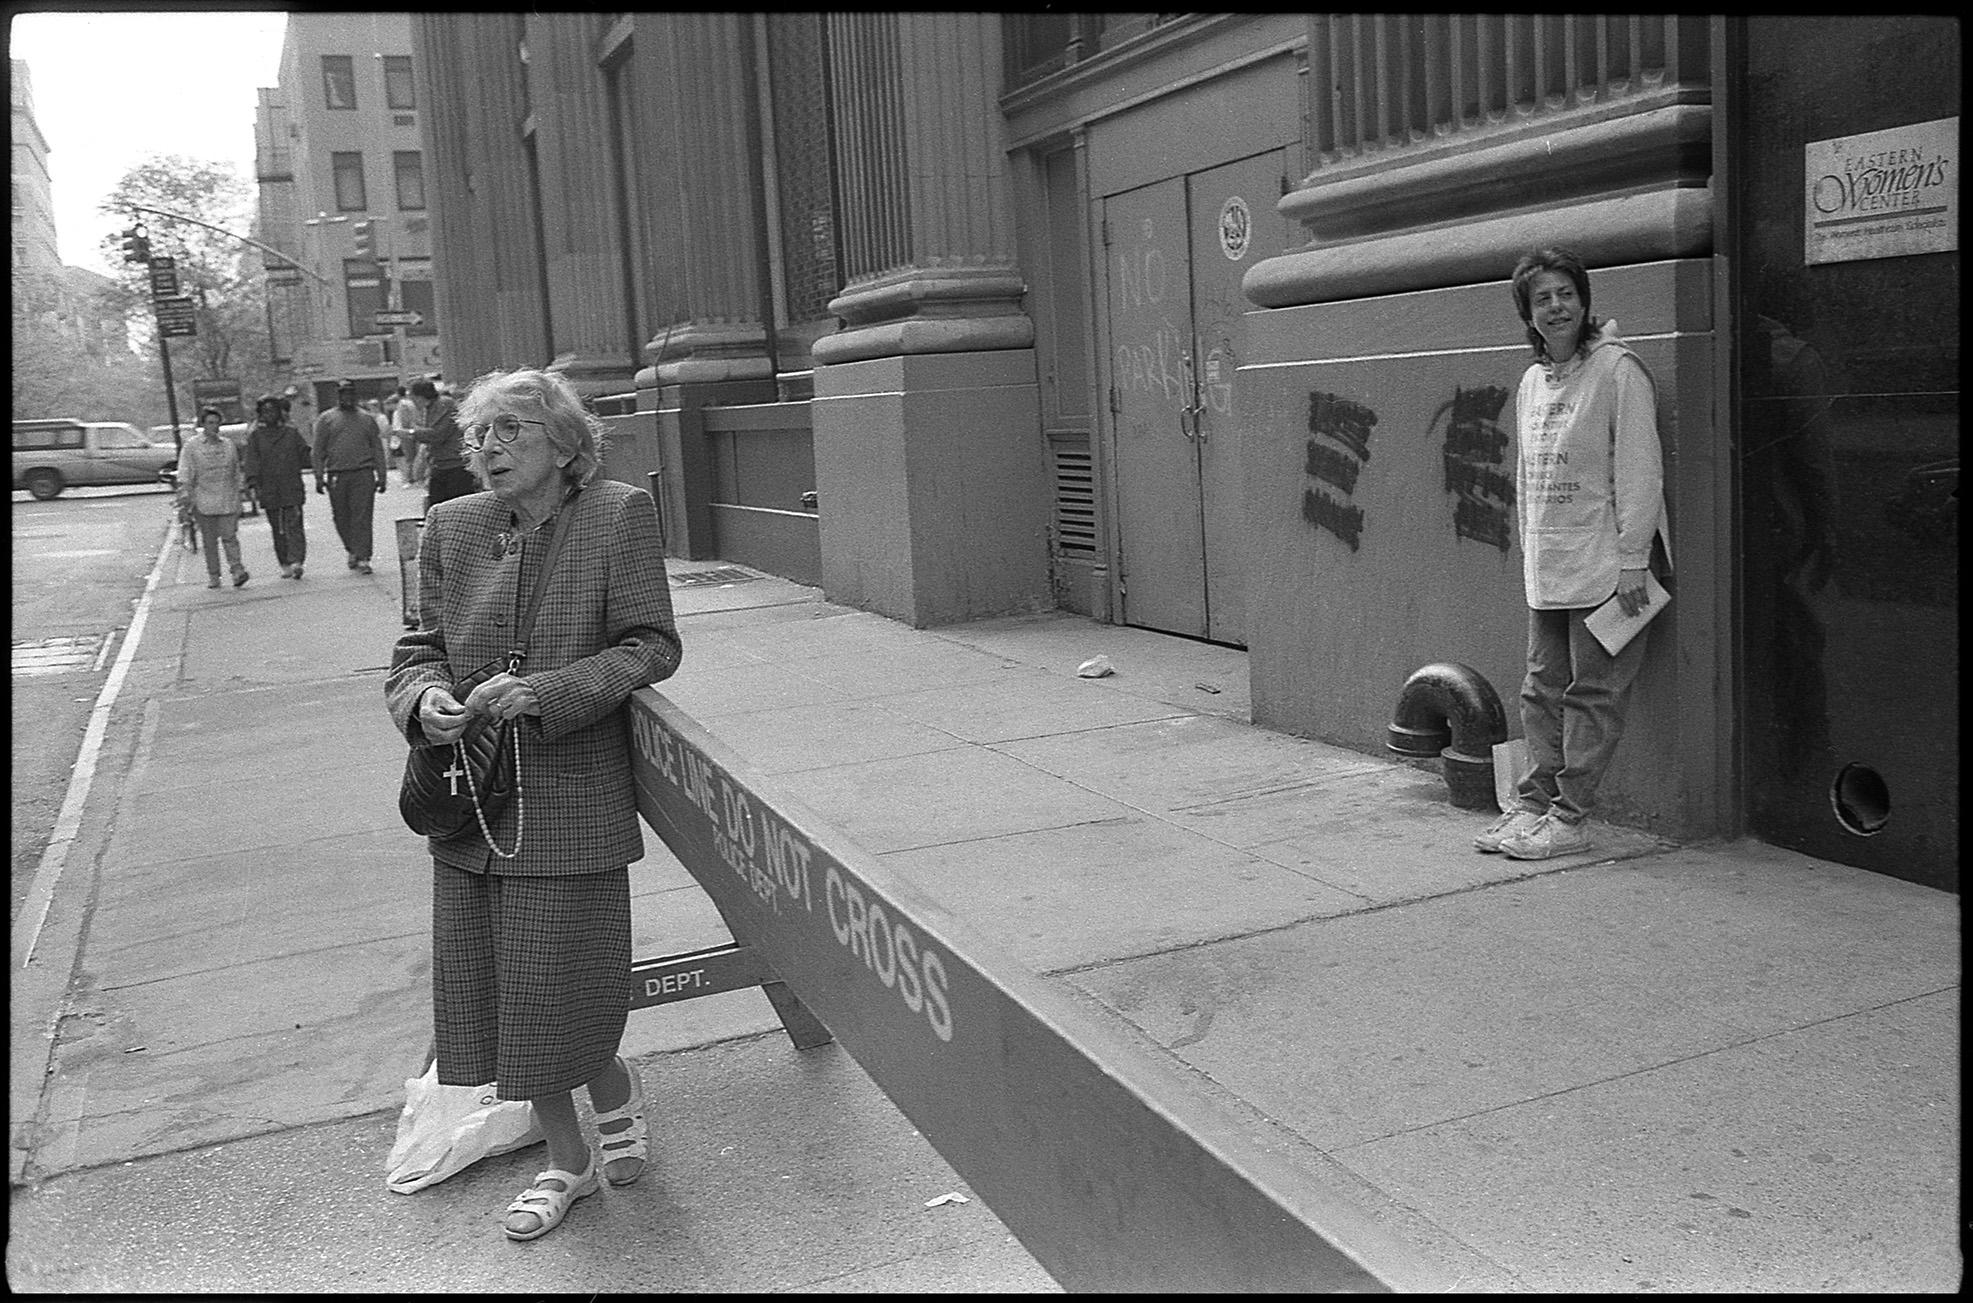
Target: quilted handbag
{"points": [[448, 791], [443, 785]]}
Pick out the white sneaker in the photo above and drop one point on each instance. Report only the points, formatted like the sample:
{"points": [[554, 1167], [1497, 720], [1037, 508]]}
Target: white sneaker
{"points": [[1512, 824], [1549, 838]]}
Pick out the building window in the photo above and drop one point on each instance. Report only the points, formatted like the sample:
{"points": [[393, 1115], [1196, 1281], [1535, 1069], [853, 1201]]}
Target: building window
{"points": [[1035, 45], [803, 180], [409, 166], [417, 296], [338, 81], [350, 196], [363, 286], [398, 90]]}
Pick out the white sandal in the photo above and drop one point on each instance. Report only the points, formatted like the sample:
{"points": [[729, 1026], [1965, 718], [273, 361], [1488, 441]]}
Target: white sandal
{"points": [[548, 1204], [631, 1142]]}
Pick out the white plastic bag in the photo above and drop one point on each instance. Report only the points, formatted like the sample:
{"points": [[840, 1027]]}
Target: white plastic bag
{"points": [[445, 1129], [1510, 764]]}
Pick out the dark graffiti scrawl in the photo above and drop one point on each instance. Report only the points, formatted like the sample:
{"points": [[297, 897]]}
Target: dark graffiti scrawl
{"points": [[1476, 448], [1336, 457], [1333, 467]]}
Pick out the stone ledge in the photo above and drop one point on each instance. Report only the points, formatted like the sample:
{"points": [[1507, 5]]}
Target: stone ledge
{"points": [[1614, 230]]}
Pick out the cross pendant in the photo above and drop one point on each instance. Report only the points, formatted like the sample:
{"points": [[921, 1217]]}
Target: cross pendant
{"points": [[455, 774]]}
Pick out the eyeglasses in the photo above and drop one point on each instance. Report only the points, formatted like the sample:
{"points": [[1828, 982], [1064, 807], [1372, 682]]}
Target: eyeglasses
{"points": [[505, 429]]}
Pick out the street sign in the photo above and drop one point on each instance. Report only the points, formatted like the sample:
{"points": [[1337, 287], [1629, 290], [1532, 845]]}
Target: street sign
{"points": [[175, 317], [224, 394], [389, 317], [164, 278]]}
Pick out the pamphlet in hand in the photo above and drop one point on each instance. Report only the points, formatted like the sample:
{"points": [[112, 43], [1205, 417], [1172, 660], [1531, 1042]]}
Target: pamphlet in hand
{"points": [[1613, 628]]}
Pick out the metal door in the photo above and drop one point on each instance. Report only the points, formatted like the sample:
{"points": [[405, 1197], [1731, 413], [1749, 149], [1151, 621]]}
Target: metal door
{"points": [[1234, 226], [1174, 255], [1161, 541]]}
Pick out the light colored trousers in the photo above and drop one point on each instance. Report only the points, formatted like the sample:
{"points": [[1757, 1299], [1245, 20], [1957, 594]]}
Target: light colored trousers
{"points": [[224, 529]]}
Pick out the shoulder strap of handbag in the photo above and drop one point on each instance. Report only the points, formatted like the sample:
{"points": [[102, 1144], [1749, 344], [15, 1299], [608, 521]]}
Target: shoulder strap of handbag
{"points": [[524, 629]]}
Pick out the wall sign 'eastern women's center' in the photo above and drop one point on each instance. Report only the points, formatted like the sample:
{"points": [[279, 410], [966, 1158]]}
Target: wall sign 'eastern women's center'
{"points": [[1884, 194]]}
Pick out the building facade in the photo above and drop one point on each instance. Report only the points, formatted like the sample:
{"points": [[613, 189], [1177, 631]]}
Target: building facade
{"points": [[65, 300], [32, 233], [342, 192], [1201, 323]]}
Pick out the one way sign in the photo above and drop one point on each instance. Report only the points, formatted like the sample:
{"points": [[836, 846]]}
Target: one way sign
{"points": [[389, 318]]}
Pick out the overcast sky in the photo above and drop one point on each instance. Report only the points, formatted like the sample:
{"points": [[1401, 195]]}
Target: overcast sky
{"points": [[111, 89]]}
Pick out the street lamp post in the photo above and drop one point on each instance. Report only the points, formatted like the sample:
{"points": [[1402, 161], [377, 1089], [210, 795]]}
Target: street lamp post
{"points": [[315, 225], [396, 302]]}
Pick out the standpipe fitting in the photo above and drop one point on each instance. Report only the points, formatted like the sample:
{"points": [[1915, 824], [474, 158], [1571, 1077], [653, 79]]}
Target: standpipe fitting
{"points": [[1450, 711]]}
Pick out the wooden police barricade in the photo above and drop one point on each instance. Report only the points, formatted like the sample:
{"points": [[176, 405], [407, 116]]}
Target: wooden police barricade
{"points": [[1110, 1167]]}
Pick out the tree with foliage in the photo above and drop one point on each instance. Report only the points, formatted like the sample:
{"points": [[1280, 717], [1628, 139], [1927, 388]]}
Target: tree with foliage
{"points": [[57, 372], [222, 275]]}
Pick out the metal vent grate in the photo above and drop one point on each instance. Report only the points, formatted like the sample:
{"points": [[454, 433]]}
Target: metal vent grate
{"points": [[706, 578], [62, 655], [1075, 499]]}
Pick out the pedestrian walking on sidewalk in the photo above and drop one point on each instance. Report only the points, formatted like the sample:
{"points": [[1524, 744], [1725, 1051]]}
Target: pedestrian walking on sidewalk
{"points": [[439, 437], [276, 457], [531, 947], [210, 479], [404, 418], [351, 467], [1590, 484]]}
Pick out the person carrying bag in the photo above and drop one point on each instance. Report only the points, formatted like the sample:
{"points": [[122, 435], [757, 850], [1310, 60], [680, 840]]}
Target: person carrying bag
{"points": [[531, 981]]}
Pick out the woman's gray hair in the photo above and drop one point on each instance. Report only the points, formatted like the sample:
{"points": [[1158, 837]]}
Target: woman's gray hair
{"points": [[573, 428]]}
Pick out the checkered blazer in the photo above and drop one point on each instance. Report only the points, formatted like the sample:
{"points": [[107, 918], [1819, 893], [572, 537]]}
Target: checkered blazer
{"points": [[604, 629]]}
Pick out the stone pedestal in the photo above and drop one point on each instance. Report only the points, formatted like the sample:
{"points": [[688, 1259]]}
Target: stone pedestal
{"points": [[932, 486], [683, 462]]}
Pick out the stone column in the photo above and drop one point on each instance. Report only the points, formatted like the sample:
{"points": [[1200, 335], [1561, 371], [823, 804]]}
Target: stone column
{"points": [[701, 68], [929, 464], [584, 256], [699, 175]]}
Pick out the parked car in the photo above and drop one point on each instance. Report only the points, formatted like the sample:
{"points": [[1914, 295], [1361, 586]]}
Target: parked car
{"points": [[237, 432], [61, 452]]}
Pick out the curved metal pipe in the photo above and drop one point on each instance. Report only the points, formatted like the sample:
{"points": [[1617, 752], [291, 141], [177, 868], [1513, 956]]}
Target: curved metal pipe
{"points": [[1449, 710]]}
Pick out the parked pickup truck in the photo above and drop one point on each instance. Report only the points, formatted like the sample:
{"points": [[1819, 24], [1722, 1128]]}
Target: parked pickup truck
{"points": [[59, 453]]}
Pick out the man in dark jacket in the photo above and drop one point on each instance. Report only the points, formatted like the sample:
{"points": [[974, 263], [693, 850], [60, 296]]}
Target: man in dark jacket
{"points": [[350, 466], [275, 458]]}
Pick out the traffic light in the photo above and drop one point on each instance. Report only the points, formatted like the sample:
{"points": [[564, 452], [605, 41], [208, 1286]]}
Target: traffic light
{"points": [[366, 245], [136, 246]]}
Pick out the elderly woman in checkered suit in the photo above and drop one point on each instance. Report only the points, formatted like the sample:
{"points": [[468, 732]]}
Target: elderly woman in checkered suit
{"points": [[531, 914]]}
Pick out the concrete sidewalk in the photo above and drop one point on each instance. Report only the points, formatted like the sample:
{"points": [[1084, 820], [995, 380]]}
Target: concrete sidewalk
{"points": [[1647, 1068]]}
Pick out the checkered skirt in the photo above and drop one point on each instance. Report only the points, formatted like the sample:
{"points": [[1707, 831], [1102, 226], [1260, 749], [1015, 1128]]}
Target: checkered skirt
{"points": [[530, 977]]}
